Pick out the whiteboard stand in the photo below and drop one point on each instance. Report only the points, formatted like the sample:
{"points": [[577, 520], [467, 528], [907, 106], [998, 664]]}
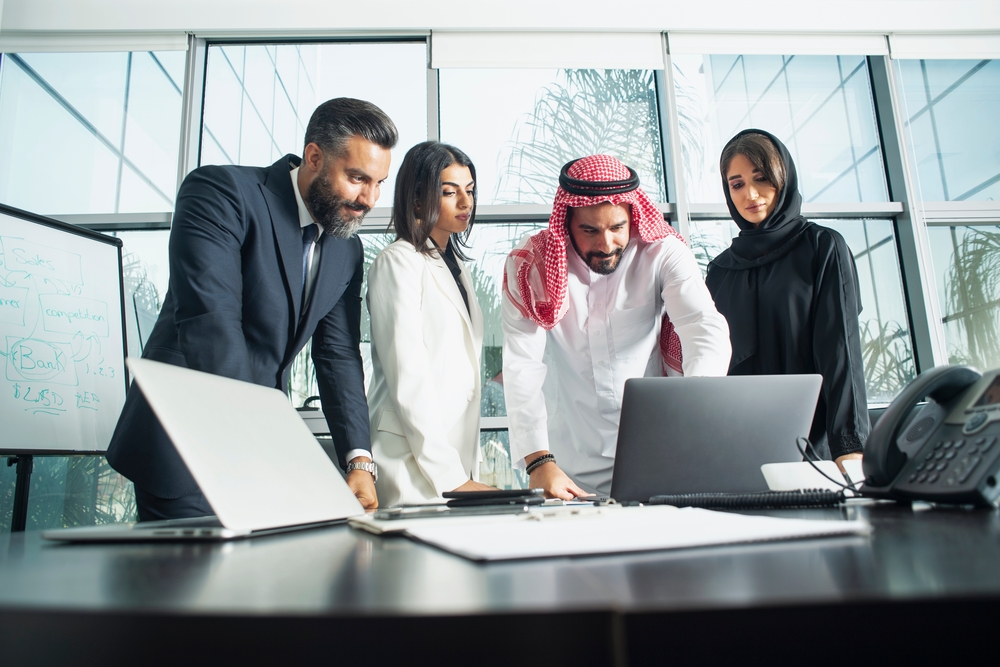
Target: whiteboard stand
{"points": [[62, 343], [22, 484]]}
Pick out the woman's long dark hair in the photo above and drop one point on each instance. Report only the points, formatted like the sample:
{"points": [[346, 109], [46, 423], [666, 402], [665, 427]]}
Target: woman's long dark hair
{"points": [[418, 187], [761, 153]]}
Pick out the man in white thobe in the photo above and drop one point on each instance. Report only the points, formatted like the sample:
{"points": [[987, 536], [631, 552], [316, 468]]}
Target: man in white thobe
{"points": [[608, 292]]}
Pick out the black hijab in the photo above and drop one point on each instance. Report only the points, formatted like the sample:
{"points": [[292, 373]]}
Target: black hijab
{"points": [[733, 285], [780, 231]]}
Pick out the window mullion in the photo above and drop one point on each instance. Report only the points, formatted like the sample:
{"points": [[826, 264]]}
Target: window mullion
{"points": [[191, 107], [914, 245], [671, 142]]}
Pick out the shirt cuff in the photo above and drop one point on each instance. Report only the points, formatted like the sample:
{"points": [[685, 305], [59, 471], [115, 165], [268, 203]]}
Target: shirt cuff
{"points": [[847, 443], [357, 452], [526, 444]]}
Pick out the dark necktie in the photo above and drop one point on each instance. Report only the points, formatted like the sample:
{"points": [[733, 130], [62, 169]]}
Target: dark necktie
{"points": [[308, 236]]}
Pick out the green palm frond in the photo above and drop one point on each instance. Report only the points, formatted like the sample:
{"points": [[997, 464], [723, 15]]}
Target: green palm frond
{"points": [[972, 286], [593, 111], [888, 359]]}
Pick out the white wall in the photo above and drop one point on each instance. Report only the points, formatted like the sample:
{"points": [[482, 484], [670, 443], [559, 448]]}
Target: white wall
{"points": [[218, 17]]}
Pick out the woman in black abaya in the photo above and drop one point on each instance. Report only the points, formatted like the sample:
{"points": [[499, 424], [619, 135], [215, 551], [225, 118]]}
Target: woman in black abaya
{"points": [[789, 289]]}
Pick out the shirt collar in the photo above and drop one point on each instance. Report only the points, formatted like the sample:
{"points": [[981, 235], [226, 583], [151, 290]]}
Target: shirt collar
{"points": [[305, 217]]}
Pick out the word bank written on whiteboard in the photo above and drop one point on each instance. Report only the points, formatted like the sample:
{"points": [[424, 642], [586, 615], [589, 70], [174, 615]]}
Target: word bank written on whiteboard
{"points": [[62, 342]]}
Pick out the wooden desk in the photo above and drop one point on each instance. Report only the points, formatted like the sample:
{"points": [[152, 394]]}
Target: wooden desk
{"points": [[924, 585]]}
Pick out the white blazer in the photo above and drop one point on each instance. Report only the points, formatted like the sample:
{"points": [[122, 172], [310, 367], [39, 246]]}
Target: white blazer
{"points": [[423, 400]]}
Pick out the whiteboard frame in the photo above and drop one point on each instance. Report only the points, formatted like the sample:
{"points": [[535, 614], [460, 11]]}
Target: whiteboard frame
{"points": [[93, 236]]}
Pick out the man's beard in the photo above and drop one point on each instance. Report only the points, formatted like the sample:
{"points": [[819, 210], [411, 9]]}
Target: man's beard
{"points": [[598, 262], [328, 209]]}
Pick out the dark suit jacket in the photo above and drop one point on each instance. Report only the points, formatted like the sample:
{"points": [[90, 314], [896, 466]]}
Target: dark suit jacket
{"points": [[233, 309]]}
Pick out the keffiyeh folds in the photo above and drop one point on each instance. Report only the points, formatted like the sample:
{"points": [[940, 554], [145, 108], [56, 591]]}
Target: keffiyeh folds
{"points": [[535, 276]]}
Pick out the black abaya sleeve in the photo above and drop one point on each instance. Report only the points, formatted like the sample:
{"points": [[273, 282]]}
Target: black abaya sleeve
{"points": [[837, 346]]}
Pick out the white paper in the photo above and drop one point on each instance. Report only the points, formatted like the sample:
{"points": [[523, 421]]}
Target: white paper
{"points": [[604, 530]]}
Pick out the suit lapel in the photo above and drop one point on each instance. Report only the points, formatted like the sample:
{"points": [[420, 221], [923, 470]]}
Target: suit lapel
{"points": [[446, 283], [476, 314], [280, 199], [332, 264]]}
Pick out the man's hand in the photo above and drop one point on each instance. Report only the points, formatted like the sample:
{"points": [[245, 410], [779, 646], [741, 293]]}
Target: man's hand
{"points": [[856, 456], [362, 484], [552, 480]]}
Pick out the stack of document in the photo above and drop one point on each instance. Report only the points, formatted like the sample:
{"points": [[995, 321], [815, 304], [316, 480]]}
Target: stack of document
{"points": [[577, 531]]}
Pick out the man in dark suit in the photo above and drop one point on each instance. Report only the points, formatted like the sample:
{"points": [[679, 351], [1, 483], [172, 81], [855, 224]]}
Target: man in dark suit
{"points": [[262, 259]]}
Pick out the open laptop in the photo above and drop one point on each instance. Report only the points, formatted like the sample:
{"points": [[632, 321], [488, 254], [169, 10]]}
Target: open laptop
{"points": [[708, 434], [256, 461]]}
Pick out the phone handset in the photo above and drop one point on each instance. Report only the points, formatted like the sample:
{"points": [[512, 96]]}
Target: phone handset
{"points": [[883, 458]]}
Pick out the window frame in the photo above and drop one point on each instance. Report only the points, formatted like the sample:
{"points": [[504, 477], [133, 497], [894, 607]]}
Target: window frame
{"points": [[904, 208]]}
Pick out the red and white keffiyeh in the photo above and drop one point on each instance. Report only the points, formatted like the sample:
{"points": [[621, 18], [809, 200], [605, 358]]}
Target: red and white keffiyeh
{"points": [[539, 262]]}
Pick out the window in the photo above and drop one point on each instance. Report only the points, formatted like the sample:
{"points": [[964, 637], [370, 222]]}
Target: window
{"points": [[85, 133], [110, 120], [521, 126], [967, 267], [259, 97], [953, 139], [950, 107], [146, 271], [820, 106]]}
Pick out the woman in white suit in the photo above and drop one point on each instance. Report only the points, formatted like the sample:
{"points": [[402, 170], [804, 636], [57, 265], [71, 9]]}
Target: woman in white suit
{"points": [[427, 334]]}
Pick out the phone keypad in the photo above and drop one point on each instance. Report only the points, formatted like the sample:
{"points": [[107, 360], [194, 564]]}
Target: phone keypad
{"points": [[952, 462]]}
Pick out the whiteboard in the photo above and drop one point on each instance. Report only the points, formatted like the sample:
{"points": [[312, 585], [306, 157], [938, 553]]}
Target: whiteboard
{"points": [[62, 341]]}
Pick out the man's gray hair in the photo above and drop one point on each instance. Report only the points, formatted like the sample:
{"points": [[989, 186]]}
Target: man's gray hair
{"points": [[337, 120]]}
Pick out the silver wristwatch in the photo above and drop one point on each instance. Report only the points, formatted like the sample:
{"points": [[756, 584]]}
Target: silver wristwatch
{"points": [[366, 466]]}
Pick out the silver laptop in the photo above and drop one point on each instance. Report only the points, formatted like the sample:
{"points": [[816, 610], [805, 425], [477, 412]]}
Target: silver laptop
{"points": [[256, 461], [709, 434]]}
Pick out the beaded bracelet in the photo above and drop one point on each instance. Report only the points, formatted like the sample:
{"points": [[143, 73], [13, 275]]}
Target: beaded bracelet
{"points": [[540, 461]]}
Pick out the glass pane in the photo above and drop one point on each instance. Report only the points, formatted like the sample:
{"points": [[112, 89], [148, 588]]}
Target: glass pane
{"points": [[495, 469], [69, 491], [490, 246], [967, 267], [521, 126], [94, 84], [820, 106], [146, 272], [886, 345], [152, 133], [259, 97], [950, 106], [112, 118]]}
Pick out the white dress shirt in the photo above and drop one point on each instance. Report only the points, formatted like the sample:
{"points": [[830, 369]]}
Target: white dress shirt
{"points": [[610, 333], [312, 266]]}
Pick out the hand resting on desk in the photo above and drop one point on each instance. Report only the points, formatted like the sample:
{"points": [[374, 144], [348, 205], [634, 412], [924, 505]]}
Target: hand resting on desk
{"points": [[553, 480], [362, 485]]}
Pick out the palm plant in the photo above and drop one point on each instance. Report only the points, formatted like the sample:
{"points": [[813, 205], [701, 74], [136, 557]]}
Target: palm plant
{"points": [[972, 286], [888, 359], [592, 111], [705, 248]]}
